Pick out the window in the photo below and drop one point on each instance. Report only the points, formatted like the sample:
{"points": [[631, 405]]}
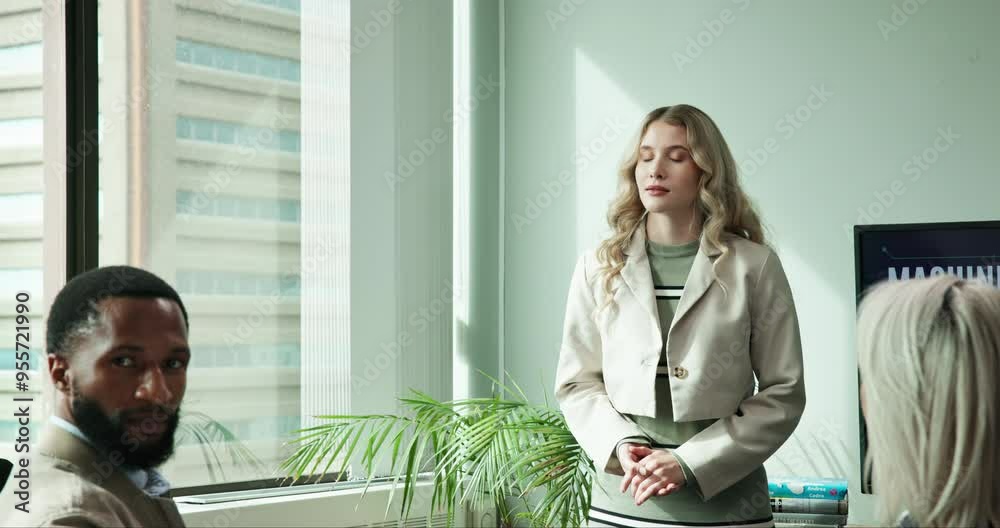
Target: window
{"points": [[200, 177], [252, 154], [228, 165], [21, 199]]}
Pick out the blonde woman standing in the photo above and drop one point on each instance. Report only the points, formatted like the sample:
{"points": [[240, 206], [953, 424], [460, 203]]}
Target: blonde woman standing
{"points": [[929, 354], [667, 324]]}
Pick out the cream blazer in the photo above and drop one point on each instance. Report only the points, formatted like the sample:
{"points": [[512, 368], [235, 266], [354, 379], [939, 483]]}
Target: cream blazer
{"points": [[735, 320]]}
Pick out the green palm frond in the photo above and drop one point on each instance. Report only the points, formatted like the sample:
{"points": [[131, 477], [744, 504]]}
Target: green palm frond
{"points": [[212, 437], [472, 451]]}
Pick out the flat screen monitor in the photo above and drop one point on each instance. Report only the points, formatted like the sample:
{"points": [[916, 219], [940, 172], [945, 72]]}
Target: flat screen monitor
{"points": [[970, 250]]}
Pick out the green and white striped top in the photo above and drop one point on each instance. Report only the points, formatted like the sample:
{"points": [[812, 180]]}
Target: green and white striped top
{"points": [[746, 504]]}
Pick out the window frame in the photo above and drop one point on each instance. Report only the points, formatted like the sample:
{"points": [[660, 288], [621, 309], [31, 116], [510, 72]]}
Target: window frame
{"points": [[81, 180], [81, 136], [71, 237]]}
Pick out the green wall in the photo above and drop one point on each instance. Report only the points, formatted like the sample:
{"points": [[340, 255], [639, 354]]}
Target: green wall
{"points": [[483, 331], [892, 77]]}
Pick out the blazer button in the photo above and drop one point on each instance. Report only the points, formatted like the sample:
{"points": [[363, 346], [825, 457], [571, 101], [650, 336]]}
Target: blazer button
{"points": [[680, 372]]}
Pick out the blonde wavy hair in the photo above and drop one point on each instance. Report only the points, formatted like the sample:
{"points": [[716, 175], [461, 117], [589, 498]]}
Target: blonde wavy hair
{"points": [[929, 354], [725, 208]]}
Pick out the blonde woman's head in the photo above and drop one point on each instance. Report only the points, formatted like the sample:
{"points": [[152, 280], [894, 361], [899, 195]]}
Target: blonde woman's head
{"points": [[680, 150], [929, 354]]}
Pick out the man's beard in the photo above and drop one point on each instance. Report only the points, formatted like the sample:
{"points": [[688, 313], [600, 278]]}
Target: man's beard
{"points": [[111, 434]]}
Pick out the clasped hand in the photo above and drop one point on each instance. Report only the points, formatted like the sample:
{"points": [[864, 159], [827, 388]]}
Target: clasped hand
{"points": [[649, 471]]}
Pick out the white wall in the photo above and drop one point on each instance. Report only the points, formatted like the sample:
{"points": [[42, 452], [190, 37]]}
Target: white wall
{"points": [[893, 80]]}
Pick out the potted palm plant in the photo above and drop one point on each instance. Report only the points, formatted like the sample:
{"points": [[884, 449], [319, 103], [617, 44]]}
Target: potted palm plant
{"points": [[500, 449]]}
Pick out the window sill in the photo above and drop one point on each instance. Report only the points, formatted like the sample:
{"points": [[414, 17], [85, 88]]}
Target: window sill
{"points": [[331, 504]]}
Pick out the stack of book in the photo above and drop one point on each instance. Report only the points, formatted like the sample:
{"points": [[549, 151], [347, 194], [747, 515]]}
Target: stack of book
{"points": [[809, 501]]}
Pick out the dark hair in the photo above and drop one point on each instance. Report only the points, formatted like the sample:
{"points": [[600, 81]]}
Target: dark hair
{"points": [[76, 304]]}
